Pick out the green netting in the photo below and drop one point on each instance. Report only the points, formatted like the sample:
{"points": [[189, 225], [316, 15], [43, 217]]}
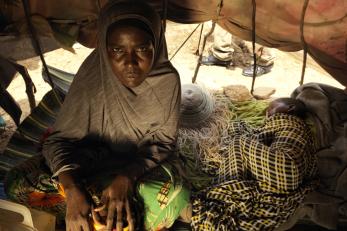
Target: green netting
{"points": [[253, 112], [213, 138]]}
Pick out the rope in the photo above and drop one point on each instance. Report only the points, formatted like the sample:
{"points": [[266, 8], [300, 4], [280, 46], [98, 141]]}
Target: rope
{"points": [[303, 42], [35, 41], [185, 41], [254, 7], [197, 52]]}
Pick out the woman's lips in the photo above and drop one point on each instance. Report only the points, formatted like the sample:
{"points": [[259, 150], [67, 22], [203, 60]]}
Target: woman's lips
{"points": [[132, 74]]}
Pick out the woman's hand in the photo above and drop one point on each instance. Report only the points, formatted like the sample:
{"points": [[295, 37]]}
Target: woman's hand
{"points": [[78, 204], [115, 199]]}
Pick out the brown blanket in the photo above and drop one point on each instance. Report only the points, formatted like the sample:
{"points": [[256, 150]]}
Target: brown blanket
{"points": [[328, 106]]}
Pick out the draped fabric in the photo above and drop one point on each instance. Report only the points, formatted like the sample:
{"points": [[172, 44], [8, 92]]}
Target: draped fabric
{"points": [[137, 124], [262, 178], [277, 23], [328, 107]]}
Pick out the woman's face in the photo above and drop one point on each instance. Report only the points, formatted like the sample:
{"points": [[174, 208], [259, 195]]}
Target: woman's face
{"points": [[130, 50]]}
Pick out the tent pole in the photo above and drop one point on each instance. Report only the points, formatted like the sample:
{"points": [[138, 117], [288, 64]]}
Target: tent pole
{"points": [[219, 9], [303, 42], [197, 52], [254, 7], [202, 52], [35, 42]]}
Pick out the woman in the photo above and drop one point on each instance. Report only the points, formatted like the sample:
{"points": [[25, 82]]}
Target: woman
{"points": [[118, 123]]}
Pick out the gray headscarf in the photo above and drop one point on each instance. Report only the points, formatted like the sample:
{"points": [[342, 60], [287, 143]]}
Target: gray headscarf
{"points": [[139, 121]]}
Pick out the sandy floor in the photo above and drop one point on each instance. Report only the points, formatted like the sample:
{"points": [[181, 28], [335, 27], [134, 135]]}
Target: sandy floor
{"points": [[284, 77]]}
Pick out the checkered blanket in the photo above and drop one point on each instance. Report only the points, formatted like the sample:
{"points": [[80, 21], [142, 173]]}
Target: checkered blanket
{"points": [[264, 176]]}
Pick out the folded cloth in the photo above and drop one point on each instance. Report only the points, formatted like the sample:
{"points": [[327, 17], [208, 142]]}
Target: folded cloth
{"points": [[327, 106]]}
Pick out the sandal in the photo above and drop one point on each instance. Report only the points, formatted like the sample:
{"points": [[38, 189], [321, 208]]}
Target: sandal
{"points": [[260, 70], [211, 60]]}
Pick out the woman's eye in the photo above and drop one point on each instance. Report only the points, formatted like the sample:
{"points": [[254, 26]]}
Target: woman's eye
{"points": [[142, 49], [117, 50]]}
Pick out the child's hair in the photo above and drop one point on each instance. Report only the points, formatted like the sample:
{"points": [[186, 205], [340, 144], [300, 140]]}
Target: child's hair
{"points": [[298, 108]]}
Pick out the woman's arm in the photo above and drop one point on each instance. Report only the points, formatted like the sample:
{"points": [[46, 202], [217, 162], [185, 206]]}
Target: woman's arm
{"points": [[71, 126], [73, 121]]}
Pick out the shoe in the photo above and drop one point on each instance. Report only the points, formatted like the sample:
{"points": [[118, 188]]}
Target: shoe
{"points": [[211, 60], [260, 70]]}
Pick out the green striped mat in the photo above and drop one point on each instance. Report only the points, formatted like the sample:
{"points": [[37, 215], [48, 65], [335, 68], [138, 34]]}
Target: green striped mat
{"points": [[25, 142]]}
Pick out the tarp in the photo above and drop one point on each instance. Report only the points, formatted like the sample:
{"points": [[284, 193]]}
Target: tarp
{"points": [[277, 22]]}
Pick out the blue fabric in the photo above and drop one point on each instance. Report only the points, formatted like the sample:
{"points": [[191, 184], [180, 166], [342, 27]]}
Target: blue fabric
{"points": [[2, 122], [2, 191], [61, 79]]}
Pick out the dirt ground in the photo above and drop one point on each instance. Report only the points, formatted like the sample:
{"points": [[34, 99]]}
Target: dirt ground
{"points": [[284, 76]]}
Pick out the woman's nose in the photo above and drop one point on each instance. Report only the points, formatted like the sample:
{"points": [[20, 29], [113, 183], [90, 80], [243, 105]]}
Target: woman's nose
{"points": [[131, 59]]}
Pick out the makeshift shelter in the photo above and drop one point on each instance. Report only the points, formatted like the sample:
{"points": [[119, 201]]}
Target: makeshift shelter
{"points": [[323, 32]]}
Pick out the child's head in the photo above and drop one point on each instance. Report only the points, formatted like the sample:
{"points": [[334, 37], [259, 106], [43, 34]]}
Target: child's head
{"points": [[287, 105]]}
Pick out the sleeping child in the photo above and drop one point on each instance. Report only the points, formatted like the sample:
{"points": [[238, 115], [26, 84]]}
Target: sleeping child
{"points": [[264, 175]]}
